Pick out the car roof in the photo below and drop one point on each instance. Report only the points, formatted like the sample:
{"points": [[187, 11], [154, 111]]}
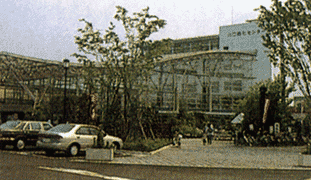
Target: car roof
{"points": [[28, 121], [79, 124], [32, 121]]}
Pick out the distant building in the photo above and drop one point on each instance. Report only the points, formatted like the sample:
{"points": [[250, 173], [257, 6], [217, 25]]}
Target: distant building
{"points": [[237, 37], [247, 37], [217, 68], [195, 44], [205, 74]]}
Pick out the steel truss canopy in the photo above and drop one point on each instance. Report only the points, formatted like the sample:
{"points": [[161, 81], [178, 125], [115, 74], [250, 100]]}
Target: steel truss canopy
{"points": [[18, 70], [206, 82], [191, 69], [23, 68]]}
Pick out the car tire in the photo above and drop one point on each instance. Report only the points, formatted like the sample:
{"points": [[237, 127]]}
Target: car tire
{"points": [[49, 152], [73, 150], [19, 144]]}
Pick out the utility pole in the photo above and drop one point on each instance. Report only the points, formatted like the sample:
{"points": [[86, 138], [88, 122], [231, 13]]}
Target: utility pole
{"points": [[66, 66]]}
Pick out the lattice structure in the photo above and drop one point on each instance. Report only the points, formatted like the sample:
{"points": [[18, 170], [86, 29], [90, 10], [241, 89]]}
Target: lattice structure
{"points": [[25, 80], [206, 81]]}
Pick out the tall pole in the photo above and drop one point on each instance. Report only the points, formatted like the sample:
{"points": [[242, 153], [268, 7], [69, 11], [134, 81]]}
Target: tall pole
{"points": [[66, 65]]}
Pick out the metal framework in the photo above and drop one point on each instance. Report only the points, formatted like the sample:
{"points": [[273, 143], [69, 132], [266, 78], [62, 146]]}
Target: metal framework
{"points": [[24, 81], [208, 82]]}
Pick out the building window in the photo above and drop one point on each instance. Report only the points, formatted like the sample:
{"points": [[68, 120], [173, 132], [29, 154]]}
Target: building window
{"points": [[234, 85], [227, 86], [237, 85], [215, 86]]}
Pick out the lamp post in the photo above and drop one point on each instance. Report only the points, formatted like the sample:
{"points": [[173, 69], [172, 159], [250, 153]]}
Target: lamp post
{"points": [[66, 66]]}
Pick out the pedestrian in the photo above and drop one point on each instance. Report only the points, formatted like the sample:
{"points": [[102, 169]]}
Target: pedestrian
{"points": [[210, 133], [204, 137], [177, 139]]}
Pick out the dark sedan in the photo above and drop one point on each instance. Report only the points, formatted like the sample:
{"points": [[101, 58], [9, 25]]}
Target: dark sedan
{"points": [[21, 133]]}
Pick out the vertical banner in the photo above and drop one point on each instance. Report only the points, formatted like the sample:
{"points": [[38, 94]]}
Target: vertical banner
{"points": [[265, 114], [276, 128]]}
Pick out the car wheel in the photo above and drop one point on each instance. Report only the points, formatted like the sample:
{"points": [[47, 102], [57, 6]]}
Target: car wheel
{"points": [[49, 152], [20, 144], [73, 150]]}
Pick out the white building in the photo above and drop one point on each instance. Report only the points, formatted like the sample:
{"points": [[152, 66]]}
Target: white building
{"points": [[247, 37], [197, 84]]}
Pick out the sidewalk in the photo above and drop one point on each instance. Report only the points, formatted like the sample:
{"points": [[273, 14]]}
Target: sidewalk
{"points": [[221, 154]]}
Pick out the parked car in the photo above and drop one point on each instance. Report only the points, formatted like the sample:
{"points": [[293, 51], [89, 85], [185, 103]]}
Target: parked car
{"points": [[21, 133], [73, 138]]}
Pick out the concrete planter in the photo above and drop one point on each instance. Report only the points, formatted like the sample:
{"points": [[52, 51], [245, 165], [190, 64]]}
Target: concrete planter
{"points": [[99, 154], [304, 159]]}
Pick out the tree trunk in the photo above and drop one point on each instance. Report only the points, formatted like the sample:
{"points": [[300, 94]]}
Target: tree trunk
{"points": [[151, 131], [142, 128]]}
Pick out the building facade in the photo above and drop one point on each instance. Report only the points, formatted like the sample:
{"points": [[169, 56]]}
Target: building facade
{"points": [[205, 74], [247, 37]]}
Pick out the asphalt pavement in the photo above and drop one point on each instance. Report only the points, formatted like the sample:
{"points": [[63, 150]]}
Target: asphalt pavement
{"points": [[220, 154]]}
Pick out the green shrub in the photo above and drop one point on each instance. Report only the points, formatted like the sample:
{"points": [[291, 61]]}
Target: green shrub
{"points": [[146, 145]]}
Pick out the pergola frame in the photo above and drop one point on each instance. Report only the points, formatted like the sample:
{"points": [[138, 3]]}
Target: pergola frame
{"points": [[31, 77]]}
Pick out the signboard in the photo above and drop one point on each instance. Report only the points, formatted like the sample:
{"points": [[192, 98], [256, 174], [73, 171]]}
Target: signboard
{"points": [[244, 33], [265, 114]]}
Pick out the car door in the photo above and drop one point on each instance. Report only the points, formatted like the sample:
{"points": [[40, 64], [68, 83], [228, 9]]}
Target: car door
{"points": [[32, 134], [85, 137], [94, 133]]}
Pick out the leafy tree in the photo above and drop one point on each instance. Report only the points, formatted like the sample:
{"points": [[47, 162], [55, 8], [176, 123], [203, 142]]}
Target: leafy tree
{"points": [[287, 26], [278, 112], [123, 65]]}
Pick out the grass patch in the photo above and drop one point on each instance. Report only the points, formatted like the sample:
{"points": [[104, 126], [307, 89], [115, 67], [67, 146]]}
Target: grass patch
{"points": [[146, 145]]}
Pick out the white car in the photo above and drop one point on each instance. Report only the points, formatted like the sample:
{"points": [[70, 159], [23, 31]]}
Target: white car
{"points": [[73, 138]]}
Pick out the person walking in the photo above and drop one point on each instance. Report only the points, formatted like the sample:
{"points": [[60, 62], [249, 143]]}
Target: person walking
{"points": [[210, 133], [204, 136], [177, 139]]}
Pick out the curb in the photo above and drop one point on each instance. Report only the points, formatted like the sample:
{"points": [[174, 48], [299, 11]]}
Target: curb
{"points": [[161, 149], [293, 168], [152, 152]]}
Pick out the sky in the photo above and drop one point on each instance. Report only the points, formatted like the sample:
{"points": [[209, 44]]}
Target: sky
{"points": [[46, 28]]}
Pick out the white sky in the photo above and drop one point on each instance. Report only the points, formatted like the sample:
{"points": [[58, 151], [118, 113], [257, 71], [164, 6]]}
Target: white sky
{"points": [[46, 28]]}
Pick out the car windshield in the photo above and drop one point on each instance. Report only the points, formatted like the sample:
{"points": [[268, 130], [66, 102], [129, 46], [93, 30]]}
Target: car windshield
{"points": [[62, 128], [10, 125]]}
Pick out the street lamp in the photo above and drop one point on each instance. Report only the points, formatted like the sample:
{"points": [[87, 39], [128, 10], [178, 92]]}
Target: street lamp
{"points": [[66, 66]]}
